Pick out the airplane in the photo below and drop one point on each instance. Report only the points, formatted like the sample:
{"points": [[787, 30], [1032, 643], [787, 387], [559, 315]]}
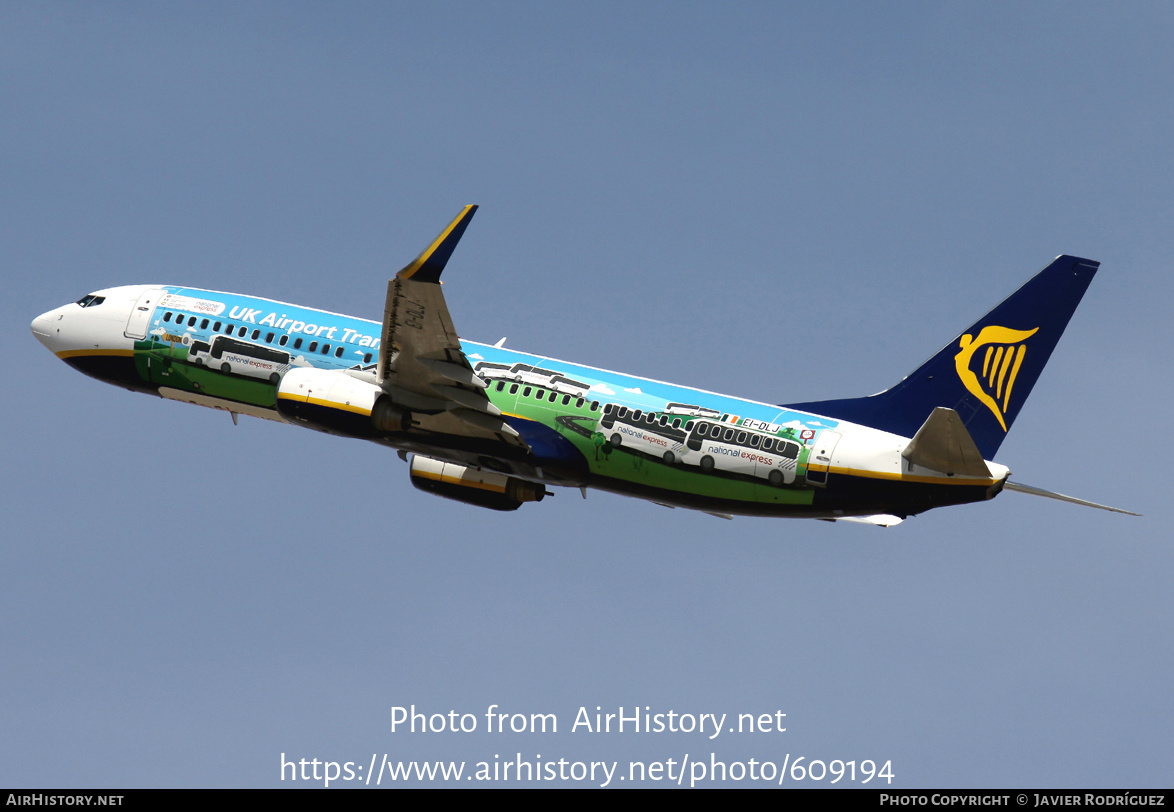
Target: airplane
{"points": [[494, 427]]}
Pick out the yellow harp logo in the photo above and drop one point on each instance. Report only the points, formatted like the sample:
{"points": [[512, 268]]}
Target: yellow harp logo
{"points": [[1000, 364]]}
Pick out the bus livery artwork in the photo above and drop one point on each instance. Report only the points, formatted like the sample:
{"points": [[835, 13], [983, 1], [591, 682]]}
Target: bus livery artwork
{"points": [[236, 357], [751, 449]]}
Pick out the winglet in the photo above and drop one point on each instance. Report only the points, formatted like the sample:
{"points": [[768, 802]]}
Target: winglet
{"points": [[427, 266]]}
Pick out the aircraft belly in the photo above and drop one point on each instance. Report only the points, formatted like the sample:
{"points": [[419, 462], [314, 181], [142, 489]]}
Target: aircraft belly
{"points": [[118, 369], [862, 495]]}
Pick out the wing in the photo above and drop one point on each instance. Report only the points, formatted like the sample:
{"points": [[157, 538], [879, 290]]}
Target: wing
{"points": [[421, 364]]}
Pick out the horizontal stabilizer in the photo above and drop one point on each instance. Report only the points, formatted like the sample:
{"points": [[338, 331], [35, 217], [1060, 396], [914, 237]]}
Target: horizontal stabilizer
{"points": [[943, 444], [1021, 488]]}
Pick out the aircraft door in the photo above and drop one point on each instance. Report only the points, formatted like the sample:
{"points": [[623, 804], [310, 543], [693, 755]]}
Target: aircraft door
{"points": [[821, 457], [140, 313]]}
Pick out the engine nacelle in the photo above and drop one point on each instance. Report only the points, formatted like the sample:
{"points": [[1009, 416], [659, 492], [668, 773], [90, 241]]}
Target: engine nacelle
{"points": [[482, 488], [335, 402]]}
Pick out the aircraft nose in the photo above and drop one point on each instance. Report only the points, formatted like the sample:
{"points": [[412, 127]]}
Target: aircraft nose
{"points": [[43, 327]]}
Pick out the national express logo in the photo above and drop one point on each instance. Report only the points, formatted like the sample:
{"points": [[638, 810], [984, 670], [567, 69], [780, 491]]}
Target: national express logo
{"points": [[1004, 353]]}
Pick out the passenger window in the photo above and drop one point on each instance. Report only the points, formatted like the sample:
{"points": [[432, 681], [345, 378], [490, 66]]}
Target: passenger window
{"points": [[755, 441], [636, 415], [256, 334], [204, 324], [367, 358], [729, 435], [297, 343], [741, 437], [579, 403], [313, 347], [689, 426], [216, 327], [513, 389], [500, 385], [192, 321], [283, 340], [526, 392], [166, 316], [338, 352], [269, 338], [554, 397], [242, 332], [768, 444], [326, 349], [595, 405]]}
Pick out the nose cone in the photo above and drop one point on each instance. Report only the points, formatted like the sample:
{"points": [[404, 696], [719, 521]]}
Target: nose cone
{"points": [[45, 328]]}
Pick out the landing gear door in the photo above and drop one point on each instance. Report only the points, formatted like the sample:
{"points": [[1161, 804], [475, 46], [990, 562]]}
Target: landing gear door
{"points": [[140, 314], [821, 458]]}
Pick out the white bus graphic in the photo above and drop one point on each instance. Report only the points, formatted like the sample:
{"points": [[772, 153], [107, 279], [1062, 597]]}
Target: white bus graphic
{"points": [[736, 449], [708, 445], [704, 444], [534, 376], [661, 436], [691, 411], [234, 357]]}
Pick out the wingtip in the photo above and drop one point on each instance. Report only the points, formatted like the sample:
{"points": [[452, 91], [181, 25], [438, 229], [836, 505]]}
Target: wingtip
{"points": [[428, 266]]}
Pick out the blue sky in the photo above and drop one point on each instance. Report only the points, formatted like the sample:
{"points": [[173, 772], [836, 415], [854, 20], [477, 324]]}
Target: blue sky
{"points": [[185, 601]]}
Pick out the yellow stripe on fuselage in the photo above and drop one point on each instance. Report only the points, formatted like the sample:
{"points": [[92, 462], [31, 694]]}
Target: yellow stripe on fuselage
{"points": [[929, 480], [84, 353]]}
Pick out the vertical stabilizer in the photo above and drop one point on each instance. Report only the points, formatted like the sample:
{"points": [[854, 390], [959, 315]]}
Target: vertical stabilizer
{"points": [[987, 372]]}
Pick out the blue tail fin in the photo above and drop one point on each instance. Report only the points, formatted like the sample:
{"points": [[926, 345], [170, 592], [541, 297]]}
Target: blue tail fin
{"points": [[987, 372]]}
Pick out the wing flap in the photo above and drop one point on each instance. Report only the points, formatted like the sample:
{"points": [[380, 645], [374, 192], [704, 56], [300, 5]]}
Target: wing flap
{"points": [[421, 364]]}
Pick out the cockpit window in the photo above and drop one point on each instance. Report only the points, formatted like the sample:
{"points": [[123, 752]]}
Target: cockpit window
{"points": [[91, 300]]}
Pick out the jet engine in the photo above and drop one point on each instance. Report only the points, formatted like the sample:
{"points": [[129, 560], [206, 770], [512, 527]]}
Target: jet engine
{"points": [[339, 403], [481, 488]]}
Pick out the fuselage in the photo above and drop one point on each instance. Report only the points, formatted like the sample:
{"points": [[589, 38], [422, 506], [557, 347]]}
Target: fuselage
{"points": [[582, 426]]}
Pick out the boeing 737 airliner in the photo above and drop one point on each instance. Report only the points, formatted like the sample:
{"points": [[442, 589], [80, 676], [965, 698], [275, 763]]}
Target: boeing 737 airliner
{"points": [[494, 427]]}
